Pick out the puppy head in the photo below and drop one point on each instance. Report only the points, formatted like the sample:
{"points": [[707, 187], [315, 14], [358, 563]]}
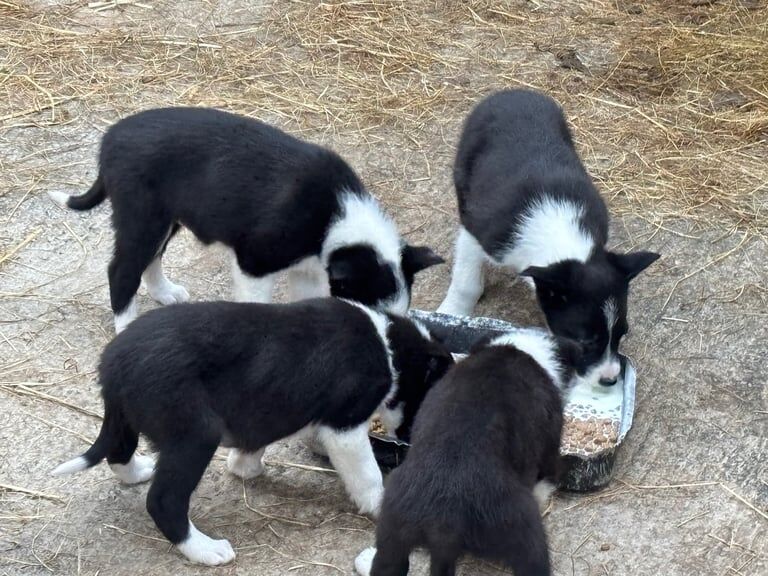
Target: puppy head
{"points": [[587, 302], [358, 272], [420, 361], [558, 357]]}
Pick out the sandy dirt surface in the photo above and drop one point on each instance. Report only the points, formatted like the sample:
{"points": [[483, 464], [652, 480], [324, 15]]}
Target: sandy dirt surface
{"points": [[690, 493]]}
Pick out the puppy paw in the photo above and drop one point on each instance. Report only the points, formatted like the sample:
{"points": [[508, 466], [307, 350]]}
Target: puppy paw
{"points": [[202, 549], [139, 469], [455, 308], [370, 501], [245, 465], [168, 293], [364, 561]]}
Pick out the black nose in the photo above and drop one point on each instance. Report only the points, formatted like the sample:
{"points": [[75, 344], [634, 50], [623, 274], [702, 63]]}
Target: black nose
{"points": [[608, 381]]}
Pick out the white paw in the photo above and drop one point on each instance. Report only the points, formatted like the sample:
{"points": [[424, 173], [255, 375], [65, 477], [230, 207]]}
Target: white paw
{"points": [[370, 502], [202, 549], [246, 465], [139, 469], [126, 316], [455, 308], [364, 561], [168, 293]]}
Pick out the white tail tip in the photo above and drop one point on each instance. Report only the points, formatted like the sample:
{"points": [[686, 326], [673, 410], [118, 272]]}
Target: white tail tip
{"points": [[59, 197], [364, 561], [71, 466]]}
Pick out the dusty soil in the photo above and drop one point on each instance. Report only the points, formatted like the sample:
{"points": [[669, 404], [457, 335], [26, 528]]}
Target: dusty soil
{"points": [[690, 494]]}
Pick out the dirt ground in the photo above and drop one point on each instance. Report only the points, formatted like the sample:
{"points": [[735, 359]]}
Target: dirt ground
{"points": [[690, 493]]}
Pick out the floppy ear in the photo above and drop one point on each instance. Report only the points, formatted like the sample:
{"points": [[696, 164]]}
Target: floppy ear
{"points": [[340, 270], [417, 258], [633, 263], [552, 277]]}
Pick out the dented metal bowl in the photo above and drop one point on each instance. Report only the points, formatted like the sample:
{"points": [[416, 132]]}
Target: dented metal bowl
{"points": [[582, 471]]}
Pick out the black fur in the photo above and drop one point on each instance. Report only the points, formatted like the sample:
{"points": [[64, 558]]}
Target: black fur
{"points": [[484, 436], [515, 150], [230, 179], [192, 377]]}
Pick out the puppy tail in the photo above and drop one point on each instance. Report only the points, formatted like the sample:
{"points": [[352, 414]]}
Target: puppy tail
{"points": [[97, 452], [90, 199]]}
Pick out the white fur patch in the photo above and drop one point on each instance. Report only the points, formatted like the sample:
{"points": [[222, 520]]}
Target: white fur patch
{"points": [[126, 316], [423, 329], [609, 367], [381, 323], [549, 232], [160, 288], [351, 454], [71, 466], [202, 549], [364, 561], [362, 221], [245, 465], [391, 418], [59, 197], [139, 469], [542, 492], [467, 279], [538, 345]]}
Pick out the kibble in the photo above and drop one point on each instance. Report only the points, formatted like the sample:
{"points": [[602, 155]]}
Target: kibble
{"points": [[377, 427], [587, 435]]}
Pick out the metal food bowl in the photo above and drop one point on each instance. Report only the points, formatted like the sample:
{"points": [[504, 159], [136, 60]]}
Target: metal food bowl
{"points": [[581, 471]]}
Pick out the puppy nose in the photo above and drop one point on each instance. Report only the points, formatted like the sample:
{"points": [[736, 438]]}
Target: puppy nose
{"points": [[608, 381]]}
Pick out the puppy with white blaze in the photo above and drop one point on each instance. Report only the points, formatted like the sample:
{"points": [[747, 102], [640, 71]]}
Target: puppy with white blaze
{"points": [[484, 457], [526, 202], [278, 203], [193, 377]]}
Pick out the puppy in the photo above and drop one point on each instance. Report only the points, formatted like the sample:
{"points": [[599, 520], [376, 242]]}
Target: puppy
{"points": [[484, 457], [277, 202], [193, 377], [526, 202]]}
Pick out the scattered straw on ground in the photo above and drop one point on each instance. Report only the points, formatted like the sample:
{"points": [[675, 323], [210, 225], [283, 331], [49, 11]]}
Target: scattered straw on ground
{"points": [[669, 100]]}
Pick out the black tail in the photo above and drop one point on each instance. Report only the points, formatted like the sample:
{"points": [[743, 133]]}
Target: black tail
{"points": [[90, 199], [110, 433]]}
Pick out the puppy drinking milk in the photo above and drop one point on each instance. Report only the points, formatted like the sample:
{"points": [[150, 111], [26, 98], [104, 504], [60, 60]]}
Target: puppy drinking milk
{"points": [[193, 377], [484, 456], [277, 202], [526, 202]]}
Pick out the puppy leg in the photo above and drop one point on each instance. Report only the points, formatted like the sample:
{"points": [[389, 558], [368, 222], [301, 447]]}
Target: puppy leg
{"points": [[467, 279], [245, 465], [351, 454], [247, 288], [177, 474], [159, 287], [135, 248], [524, 547], [439, 566], [307, 280], [390, 557]]}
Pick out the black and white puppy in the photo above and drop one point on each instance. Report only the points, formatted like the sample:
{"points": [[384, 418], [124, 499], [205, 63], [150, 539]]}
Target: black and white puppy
{"points": [[193, 377], [484, 457], [277, 202], [526, 202]]}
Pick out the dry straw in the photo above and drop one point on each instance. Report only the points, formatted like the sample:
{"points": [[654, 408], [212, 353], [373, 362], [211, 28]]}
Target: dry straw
{"points": [[669, 100]]}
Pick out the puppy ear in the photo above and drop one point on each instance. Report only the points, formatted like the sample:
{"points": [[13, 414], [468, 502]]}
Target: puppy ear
{"points": [[551, 277], [438, 364], [340, 270], [633, 263], [417, 258]]}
